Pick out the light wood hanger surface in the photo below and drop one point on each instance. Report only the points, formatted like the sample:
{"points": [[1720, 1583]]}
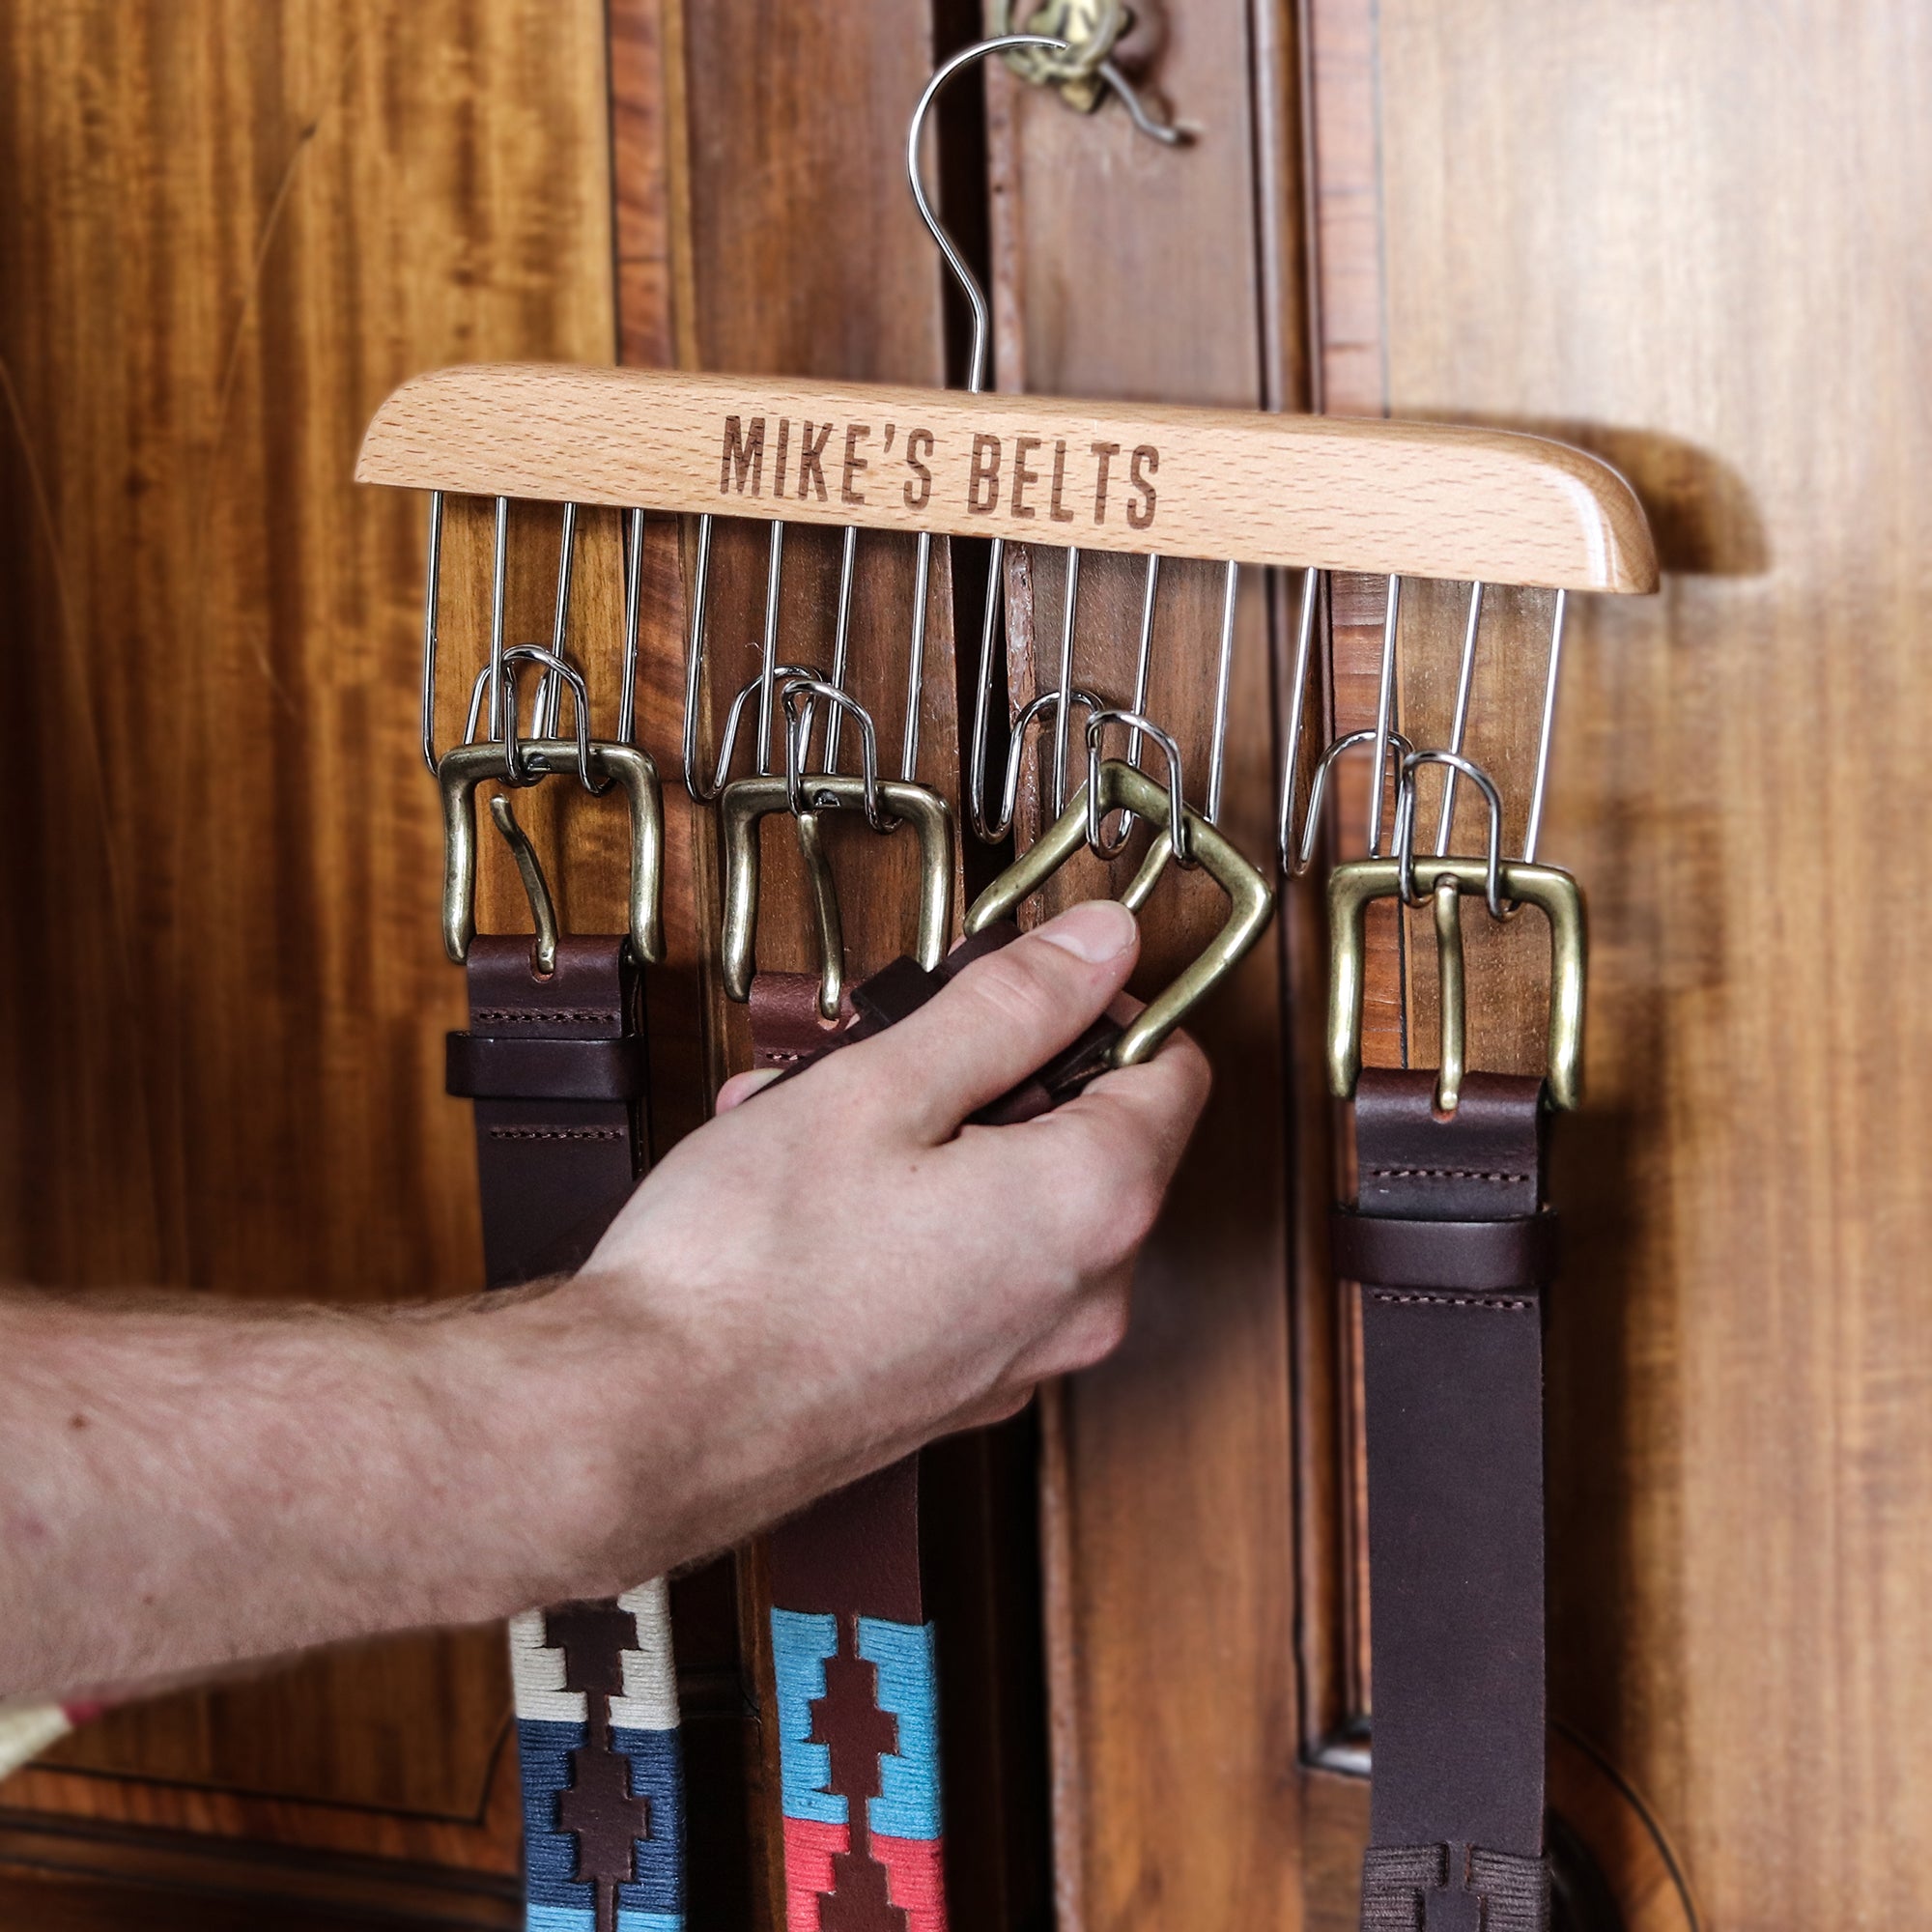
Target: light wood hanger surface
{"points": [[1422, 500]]}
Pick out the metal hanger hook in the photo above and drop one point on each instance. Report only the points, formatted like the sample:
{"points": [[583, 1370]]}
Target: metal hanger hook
{"points": [[1143, 727], [962, 273], [983, 333], [1404, 825], [553, 667], [1295, 862], [728, 745], [800, 698]]}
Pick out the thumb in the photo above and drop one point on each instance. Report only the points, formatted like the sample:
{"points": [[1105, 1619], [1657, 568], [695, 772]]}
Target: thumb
{"points": [[1006, 1014]]}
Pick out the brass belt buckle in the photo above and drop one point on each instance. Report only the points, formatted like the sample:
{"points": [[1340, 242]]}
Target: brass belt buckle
{"points": [[464, 767], [1352, 886], [743, 804], [1251, 900]]}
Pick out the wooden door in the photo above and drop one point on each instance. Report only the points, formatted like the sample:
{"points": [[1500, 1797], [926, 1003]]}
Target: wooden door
{"points": [[1673, 235], [228, 229], [1676, 234]]}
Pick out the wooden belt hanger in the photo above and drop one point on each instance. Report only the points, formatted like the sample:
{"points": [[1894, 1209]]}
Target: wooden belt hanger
{"points": [[1244, 490]]}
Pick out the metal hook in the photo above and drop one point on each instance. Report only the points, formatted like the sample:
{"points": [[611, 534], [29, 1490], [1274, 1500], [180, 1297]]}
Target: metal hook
{"points": [[975, 295], [1046, 703], [1534, 830], [550, 692], [633, 597], [842, 641], [1388, 711], [693, 674], [543, 722], [553, 667], [1297, 863], [536, 888], [1405, 824], [962, 273], [1070, 606], [799, 736], [1465, 678], [768, 664], [432, 597], [1218, 749], [1177, 796], [1297, 713], [765, 684], [728, 745], [1142, 665]]}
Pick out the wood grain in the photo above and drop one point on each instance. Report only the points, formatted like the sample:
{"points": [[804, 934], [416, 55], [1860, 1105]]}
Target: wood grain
{"points": [[797, 251], [1169, 1568], [1433, 501], [1568, 235], [1691, 253], [231, 230]]}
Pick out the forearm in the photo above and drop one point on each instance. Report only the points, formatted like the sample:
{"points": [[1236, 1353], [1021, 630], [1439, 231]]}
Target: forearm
{"points": [[799, 1293], [193, 1482]]}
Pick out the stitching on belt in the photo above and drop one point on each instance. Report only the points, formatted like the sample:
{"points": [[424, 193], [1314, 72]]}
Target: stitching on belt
{"points": [[1505, 1305], [558, 1134], [561, 1015], [1441, 1174]]}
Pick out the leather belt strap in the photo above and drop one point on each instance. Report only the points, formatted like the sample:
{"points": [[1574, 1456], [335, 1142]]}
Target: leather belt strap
{"points": [[557, 1068], [1454, 1247], [858, 1709], [786, 1033]]}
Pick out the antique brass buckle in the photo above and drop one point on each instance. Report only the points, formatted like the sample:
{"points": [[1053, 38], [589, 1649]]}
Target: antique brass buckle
{"points": [[1446, 881], [464, 767], [1251, 900], [745, 803]]}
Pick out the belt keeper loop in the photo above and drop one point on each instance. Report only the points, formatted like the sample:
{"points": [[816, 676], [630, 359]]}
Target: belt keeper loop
{"points": [[1517, 1255], [492, 1067]]}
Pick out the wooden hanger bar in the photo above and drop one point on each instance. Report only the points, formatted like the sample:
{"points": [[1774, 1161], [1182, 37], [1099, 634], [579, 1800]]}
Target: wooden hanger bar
{"points": [[1421, 500]]}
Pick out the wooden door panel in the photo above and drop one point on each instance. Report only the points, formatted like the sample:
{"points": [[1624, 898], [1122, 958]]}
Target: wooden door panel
{"points": [[1682, 240], [1131, 270], [229, 230]]}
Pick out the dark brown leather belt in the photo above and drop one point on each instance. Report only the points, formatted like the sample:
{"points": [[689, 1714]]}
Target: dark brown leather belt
{"points": [[555, 1066], [1453, 1247], [856, 1689]]}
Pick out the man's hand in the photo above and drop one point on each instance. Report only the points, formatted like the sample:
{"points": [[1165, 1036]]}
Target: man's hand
{"points": [[842, 1271], [805, 1290]]}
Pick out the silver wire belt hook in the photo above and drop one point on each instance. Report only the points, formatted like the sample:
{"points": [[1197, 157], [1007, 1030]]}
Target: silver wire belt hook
{"points": [[728, 745], [802, 696], [550, 692], [1176, 797], [1045, 705], [1296, 861], [1405, 824], [555, 668]]}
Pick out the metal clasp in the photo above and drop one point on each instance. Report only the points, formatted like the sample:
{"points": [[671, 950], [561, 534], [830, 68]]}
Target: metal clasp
{"points": [[1251, 900], [742, 805], [1352, 886], [464, 767]]}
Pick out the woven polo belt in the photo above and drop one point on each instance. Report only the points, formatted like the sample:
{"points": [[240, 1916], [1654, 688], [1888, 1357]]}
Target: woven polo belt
{"points": [[852, 1652], [555, 1066], [857, 1696]]}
